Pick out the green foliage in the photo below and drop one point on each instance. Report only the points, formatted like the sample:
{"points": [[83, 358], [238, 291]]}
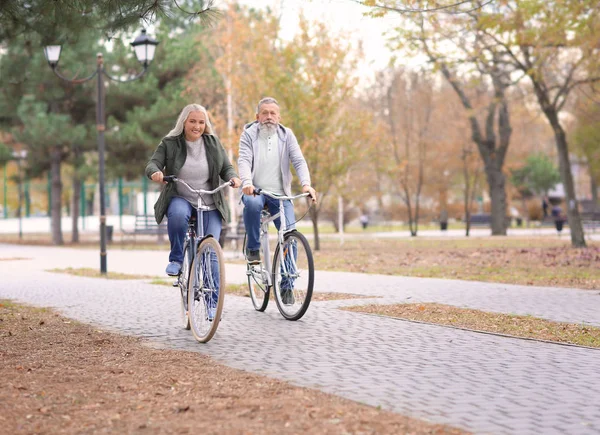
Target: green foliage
{"points": [[538, 176], [5, 154], [65, 20], [42, 130]]}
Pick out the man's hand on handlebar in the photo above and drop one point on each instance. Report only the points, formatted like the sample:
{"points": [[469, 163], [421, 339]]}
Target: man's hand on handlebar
{"points": [[248, 190], [312, 192]]}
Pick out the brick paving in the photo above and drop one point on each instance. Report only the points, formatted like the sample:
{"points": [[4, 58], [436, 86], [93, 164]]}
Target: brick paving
{"points": [[479, 382]]}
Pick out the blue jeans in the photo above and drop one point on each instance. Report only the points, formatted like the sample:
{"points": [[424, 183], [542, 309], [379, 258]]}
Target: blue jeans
{"points": [[178, 216], [253, 205]]}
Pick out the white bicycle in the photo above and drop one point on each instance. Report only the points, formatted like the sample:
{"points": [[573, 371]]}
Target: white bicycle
{"points": [[202, 277], [290, 274]]}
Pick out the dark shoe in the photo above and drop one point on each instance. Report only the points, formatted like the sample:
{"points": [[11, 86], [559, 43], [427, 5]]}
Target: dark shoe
{"points": [[173, 268], [287, 297], [253, 257]]}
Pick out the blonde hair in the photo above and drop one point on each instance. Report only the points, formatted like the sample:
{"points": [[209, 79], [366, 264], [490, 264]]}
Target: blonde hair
{"points": [[183, 116]]}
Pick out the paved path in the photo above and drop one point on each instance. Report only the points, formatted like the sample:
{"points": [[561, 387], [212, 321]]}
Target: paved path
{"points": [[480, 382]]}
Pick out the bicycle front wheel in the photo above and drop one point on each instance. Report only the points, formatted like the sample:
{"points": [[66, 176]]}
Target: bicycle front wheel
{"points": [[293, 276], [206, 290], [257, 284], [182, 281]]}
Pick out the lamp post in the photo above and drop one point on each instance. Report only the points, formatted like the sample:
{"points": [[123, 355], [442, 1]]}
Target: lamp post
{"points": [[144, 48], [20, 156]]}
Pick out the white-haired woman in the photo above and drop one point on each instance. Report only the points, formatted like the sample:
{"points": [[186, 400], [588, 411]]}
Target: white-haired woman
{"points": [[194, 154]]}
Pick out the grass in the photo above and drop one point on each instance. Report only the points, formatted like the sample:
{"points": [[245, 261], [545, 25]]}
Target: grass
{"points": [[526, 261], [509, 324], [95, 273]]}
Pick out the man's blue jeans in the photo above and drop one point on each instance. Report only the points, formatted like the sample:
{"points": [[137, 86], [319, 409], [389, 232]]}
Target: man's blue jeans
{"points": [[253, 206]]}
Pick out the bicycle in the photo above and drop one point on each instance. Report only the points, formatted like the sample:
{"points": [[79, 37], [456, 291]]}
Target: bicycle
{"points": [[202, 277], [290, 274]]}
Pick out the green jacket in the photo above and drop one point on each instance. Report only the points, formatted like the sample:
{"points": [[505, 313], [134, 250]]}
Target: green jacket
{"points": [[169, 158]]}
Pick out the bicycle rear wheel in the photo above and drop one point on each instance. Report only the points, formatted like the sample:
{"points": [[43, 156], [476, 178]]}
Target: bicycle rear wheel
{"points": [[182, 281], [206, 290], [293, 275], [257, 284]]}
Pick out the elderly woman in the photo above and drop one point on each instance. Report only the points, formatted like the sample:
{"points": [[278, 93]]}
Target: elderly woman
{"points": [[194, 154]]}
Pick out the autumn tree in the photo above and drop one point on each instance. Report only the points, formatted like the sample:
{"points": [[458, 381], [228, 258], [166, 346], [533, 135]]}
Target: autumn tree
{"points": [[409, 108], [554, 45], [312, 78]]}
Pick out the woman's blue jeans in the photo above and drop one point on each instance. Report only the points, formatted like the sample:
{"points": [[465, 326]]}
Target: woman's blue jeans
{"points": [[178, 215]]}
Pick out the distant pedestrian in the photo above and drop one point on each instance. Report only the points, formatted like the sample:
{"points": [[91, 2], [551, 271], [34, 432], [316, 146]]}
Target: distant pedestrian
{"points": [[364, 221], [545, 206]]}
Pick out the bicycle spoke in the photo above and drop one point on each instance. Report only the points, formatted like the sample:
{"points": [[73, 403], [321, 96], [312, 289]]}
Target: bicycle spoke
{"points": [[293, 273]]}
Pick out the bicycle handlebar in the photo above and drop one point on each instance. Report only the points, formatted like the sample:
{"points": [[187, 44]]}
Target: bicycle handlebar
{"points": [[260, 191], [173, 178]]}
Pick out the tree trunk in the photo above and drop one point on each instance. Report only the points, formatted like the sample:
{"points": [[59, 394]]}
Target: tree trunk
{"points": [[314, 216], [594, 190], [573, 216], [56, 206], [496, 183], [75, 211]]}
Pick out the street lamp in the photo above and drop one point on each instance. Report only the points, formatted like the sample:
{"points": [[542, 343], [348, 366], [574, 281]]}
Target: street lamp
{"points": [[20, 156], [144, 48]]}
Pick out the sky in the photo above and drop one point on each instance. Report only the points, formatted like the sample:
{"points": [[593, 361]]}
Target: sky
{"points": [[341, 16]]}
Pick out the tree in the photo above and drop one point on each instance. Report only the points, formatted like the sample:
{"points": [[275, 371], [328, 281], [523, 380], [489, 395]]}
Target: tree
{"points": [[312, 78], [537, 176], [42, 125], [586, 140], [62, 21], [481, 81], [554, 45], [409, 104]]}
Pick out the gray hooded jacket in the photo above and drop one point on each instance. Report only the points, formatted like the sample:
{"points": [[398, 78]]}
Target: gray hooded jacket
{"points": [[289, 152]]}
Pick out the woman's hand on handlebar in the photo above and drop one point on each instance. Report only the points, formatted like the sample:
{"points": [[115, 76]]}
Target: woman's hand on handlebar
{"points": [[235, 182], [157, 177]]}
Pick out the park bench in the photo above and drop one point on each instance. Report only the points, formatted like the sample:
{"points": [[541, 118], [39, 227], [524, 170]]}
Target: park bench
{"points": [[590, 221], [145, 225], [484, 219]]}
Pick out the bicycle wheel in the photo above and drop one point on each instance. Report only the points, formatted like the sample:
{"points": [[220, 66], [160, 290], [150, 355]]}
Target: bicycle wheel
{"points": [[182, 281], [206, 290], [257, 284], [293, 276]]}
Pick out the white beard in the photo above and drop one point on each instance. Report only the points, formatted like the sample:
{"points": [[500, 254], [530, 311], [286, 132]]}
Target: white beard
{"points": [[269, 129]]}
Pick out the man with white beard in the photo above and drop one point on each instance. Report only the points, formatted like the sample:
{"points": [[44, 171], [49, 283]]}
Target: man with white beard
{"points": [[266, 150]]}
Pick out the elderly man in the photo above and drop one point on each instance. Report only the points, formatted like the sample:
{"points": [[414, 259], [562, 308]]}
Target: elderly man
{"points": [[266, 150]]}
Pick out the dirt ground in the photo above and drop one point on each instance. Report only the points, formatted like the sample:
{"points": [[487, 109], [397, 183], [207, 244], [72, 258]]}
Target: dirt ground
{"points": [[60, 376]]}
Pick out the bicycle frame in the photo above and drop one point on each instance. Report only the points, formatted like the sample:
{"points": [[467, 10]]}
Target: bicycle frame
{"points": [[266, 218], [198, 235]]}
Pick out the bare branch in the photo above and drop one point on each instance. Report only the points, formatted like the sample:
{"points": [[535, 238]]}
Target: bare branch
{"points": [[419, 11]]}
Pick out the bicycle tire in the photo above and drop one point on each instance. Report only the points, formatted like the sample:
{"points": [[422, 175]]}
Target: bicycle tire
{"points": [[204, 288], [297, 276], [182, 282], [258, 288]]}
